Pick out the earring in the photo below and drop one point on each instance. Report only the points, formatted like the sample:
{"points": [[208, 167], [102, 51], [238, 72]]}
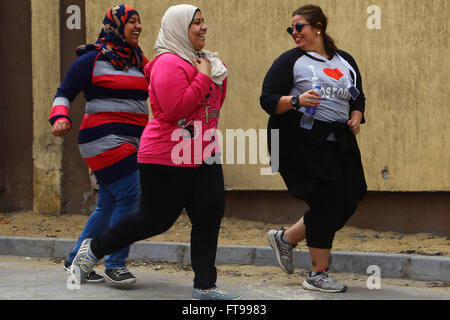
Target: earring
{"points": [[318, 32]]}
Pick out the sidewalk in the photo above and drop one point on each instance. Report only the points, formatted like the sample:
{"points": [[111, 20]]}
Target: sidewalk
{"points": [[42, 279], [414, 267]]}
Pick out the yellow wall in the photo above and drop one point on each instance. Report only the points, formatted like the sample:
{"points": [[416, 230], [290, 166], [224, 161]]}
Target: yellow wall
{"points": [[404, 66], [46, 76]]}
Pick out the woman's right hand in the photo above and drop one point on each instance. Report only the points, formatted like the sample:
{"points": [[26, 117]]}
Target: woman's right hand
{"points": [[202, 65], [309, 99]]}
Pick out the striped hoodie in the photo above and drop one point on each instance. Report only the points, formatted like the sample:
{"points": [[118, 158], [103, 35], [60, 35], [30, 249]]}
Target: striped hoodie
{"points": [[115, 116]]}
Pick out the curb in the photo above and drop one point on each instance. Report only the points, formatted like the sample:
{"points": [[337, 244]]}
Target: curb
{"points": [[412, 267]]}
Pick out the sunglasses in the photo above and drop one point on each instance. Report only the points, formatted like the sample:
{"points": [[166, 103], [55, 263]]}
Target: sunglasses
{"points": [[298, 27]]}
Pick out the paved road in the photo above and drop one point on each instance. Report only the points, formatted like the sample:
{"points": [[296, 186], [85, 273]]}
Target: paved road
{"points": [[24, 278]]}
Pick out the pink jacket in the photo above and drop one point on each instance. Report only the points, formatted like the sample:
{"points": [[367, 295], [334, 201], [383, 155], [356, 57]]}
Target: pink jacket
{"points": [[180, 96]]}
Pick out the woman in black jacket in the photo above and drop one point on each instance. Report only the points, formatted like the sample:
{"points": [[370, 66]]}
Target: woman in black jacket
{"points": [[321, 165]]}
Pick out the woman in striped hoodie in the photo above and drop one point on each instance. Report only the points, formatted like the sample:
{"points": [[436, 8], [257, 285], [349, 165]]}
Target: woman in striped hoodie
{"points": [[110, 74]]}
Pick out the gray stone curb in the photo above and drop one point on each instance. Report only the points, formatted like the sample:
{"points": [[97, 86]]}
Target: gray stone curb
{"points": [[413, 267]]}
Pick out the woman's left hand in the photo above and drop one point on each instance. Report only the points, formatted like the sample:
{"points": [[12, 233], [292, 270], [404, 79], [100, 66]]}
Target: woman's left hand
{"points": [[354, 123], [354, 126]]}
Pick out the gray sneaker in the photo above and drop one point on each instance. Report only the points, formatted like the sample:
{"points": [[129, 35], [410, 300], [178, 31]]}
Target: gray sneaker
{"points": [[283, 251], [213, 294], [83, 263], [323, 282]]}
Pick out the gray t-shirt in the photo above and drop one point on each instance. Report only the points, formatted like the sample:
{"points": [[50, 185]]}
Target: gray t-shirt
{"points": [[309, 72]]}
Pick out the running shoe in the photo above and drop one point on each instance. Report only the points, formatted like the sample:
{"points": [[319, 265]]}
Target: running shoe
{"points": [[323, 282], [213, 294], [92, 277], [120, 275], [283, 251], [83, 263]]}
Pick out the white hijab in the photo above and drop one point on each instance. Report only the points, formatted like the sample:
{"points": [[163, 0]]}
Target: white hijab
{"points": [[173, 37]]}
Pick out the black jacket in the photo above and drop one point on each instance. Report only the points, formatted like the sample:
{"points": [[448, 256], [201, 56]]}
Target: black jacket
{"points": [[297, 146]]}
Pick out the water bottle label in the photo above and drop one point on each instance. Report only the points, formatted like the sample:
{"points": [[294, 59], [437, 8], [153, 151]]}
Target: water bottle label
{"points": [[311, 110]]}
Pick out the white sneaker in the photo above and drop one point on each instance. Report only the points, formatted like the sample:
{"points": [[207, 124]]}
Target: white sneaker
{"points": [[83, 263]]}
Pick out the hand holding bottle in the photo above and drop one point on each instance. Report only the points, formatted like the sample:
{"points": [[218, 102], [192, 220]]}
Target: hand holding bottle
{"points": [[309, 99], [308, 117]]}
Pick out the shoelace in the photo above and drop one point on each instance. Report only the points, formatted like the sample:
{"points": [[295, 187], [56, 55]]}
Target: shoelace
{"points": [[219, 292], [216, 291], [284, 252], [284, 249], [120, 271], [327, 278]]}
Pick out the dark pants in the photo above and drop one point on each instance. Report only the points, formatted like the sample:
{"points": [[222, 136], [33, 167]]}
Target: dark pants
{"points": [[165, 191], [332, 202]]}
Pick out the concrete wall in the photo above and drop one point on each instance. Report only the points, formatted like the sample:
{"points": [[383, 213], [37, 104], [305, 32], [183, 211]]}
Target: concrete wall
{"points": [[16, 105], [78, 195], [405, 141], [404, 67], [47, 149]]}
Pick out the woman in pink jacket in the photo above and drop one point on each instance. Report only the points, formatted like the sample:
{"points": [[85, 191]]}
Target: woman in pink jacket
{"points": [[177, 155]]}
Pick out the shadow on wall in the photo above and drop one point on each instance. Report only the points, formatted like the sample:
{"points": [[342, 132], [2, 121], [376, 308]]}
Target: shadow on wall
{"points": [[404, 212], [16, 118]]}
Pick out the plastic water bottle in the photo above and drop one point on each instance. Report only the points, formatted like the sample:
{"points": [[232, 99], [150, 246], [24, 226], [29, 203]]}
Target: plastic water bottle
{"points": [[310, 113]]}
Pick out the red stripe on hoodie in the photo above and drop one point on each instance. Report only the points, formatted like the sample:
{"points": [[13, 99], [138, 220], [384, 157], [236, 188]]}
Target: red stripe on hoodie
{"points": [[99, 118], [110, 157], [114, 81]]}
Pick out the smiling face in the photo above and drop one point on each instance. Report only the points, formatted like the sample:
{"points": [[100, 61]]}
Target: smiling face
{"points": [[132, 30], [307, 39], [197, 31]]}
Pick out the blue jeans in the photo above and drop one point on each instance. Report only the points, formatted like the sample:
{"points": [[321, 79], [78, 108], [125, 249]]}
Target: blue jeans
{"points": [[114, 201]]}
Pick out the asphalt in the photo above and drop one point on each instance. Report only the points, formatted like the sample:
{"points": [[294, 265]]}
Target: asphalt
{"points": [[27, 273], [26, 278]]}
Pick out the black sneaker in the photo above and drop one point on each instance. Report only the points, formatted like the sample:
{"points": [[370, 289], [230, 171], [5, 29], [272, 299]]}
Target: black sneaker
{"points": [[120, 275], [67, 265], [91, 277]]}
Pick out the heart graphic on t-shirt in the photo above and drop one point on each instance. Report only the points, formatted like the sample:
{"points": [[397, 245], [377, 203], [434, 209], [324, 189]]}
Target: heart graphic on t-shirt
{"points": [[333, 73]]}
